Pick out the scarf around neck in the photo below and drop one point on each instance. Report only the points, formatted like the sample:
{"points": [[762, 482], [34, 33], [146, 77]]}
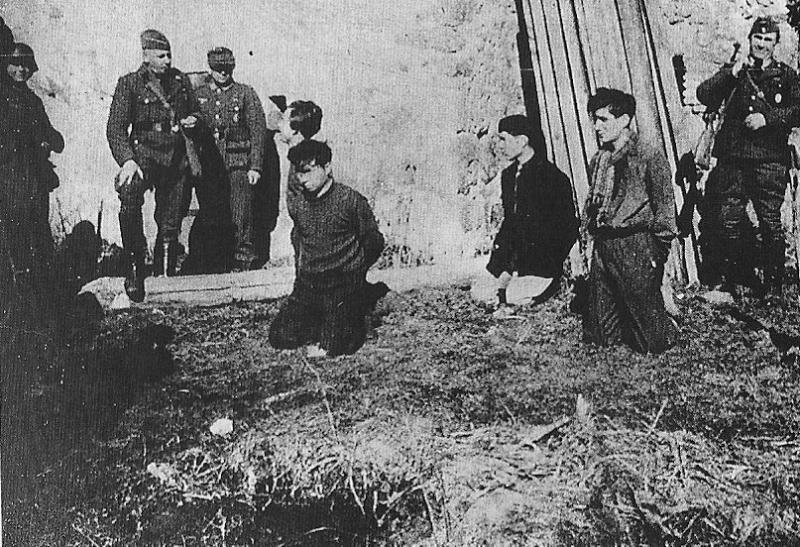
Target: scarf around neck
{"points": [[601, 188]]}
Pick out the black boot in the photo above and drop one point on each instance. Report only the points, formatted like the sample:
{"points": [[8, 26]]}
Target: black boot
{"points": [[134, 281]]}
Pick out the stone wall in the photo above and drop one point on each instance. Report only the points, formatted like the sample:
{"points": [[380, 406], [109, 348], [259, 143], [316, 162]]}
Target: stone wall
{"points": [[411, 92]]}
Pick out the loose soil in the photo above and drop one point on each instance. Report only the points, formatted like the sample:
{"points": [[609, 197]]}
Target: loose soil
{"points": [[449, 427]]}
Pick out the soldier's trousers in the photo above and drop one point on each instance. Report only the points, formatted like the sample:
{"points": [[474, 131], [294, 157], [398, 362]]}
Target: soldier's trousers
{"points": [[729, 188], [625, 302], [242, 215], [168, 183], [333, 317]]}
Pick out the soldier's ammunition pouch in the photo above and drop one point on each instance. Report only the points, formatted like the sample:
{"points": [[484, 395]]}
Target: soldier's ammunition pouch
{"points": [[237, 148]]}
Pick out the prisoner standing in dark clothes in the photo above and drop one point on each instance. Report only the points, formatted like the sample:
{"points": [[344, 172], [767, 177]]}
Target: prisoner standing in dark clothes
{"points": [[539, 225], [630, 214], [337, 240], [26, 139], [150, 110], [235, 117], [763, 97]]}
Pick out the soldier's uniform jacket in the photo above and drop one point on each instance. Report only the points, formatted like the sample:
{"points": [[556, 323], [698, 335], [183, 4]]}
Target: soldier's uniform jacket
{"points": [[25, 126], [773, 92], [140, 127], [237, 122]]}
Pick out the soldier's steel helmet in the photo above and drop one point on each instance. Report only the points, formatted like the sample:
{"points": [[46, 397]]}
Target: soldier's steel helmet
{"points": [[23, 56]]}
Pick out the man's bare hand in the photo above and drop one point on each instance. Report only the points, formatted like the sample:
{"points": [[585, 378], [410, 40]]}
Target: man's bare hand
{"points": [[189, 122], [738, 66], [129, 170], [755, 121], [253, 177]]}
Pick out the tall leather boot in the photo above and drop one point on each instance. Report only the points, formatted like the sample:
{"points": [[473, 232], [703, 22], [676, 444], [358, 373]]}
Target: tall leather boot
{"points": [[133, 243], [774, 269], [134, 280]]}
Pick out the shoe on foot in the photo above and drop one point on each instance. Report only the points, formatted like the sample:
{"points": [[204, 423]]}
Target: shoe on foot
{"points": [[315, 352], [503, 311]]}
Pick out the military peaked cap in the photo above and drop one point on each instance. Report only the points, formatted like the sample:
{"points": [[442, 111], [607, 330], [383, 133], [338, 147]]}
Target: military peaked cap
{"points": [[765, 25], [153, 39], [221, 57]]}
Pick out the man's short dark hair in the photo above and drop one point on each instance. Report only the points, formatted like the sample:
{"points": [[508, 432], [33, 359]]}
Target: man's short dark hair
{"points": [[618, 102], [305, 117], [516, 125], [308, 152]]}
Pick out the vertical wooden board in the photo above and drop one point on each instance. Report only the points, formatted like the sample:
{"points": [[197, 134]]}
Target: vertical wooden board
{"points": [[608, 61], [564, 91], [539, 59], [558, 145], [581, 89], [635, 44]]}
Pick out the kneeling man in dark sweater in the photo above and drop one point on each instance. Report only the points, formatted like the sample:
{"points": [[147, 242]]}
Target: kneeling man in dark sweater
{"points": [[336, 240]]}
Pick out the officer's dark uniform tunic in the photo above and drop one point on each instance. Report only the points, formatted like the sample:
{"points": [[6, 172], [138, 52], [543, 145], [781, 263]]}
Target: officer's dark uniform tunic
{"points": [[236, 120], [141, 128], [752, 165]]}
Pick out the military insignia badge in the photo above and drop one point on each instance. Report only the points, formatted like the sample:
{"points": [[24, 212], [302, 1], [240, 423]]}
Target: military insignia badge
{"points": [[778, 98], [236, 118]]}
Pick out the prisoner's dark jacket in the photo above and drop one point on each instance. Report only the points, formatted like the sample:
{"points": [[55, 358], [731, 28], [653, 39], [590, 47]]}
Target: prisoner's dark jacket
{"points": [[539, 225], [336, 235], [773, 92], [140, 126]]}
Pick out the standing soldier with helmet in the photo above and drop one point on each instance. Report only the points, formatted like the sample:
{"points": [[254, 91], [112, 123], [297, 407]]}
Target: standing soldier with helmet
{"points": [[763, 103], [26, 140], [150, 110], [234, 114]]}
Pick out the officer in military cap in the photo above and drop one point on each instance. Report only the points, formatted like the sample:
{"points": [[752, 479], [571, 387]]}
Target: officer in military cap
{"points": [[763, 97], [152, 110], [235, 116]]}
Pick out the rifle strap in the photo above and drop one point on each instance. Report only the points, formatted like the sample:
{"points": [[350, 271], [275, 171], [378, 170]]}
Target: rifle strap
{"points": [[156, 88]]}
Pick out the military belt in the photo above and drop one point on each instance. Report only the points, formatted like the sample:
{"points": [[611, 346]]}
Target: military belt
{"points": [[159, 127]]}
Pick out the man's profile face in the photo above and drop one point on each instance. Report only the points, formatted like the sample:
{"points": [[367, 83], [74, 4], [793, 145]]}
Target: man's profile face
{"points": [[288, 135], [762, 45], [609, 127], [222, 75], [159, 60], [512, 145], [312, 177], [18, 72]]}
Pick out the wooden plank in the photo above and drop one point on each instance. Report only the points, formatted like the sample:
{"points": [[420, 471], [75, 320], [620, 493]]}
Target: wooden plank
{"points": [[608, 62], [541, 90], [269, 284], [668, 101], [580, 92], [556, 145]]}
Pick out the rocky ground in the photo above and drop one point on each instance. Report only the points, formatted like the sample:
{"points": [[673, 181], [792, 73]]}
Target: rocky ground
{"points": [[448, 428]]}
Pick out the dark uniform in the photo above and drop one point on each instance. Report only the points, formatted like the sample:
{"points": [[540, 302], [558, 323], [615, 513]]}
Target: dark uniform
{"points": [[26, 138], [752, 165], [235, 117], [142, 128]]}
